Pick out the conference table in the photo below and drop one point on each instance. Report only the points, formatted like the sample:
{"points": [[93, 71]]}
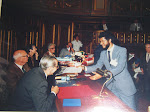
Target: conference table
{"points": [[88, 91]]}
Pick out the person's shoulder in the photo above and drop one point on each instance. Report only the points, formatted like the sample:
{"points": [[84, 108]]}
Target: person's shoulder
{"points": [[35, 72], [64, 49], [143, 55], [103, 52], [73, 41], [12, 66], [35, 69], [120, 47], [46, 53]]}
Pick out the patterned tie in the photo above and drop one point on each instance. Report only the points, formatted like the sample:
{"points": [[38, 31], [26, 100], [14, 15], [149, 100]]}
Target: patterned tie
{"points": [[109, 56]]}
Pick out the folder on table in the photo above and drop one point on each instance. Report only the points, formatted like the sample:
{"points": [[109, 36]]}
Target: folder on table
{"points": [[71, 102], [75, 92]]}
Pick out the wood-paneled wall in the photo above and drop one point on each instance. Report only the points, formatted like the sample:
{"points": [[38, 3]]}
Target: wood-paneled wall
{"points": [[11, 40]]}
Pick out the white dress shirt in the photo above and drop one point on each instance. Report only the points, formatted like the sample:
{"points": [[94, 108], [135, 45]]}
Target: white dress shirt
{"points": [[19, 66], [105, 27], [77, 45], [147, 56]]}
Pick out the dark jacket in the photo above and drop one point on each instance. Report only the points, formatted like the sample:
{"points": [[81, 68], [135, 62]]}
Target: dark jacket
{"points": [[14, 74], [32, 93], [34, 63], [145, 66]]}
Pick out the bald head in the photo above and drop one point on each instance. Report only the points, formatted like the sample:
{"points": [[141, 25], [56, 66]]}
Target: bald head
{"points": [[20, 57]]}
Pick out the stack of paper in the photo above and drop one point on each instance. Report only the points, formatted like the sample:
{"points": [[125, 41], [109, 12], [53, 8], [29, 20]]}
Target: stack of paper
{"points": [[72, 70]]}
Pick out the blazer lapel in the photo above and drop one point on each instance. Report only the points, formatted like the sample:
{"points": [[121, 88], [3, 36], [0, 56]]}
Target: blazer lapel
{"points": [[114, 53], [19, 70], [107, 64]]}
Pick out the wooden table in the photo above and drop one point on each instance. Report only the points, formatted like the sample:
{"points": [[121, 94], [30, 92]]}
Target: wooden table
{"points": [[94, 103]]}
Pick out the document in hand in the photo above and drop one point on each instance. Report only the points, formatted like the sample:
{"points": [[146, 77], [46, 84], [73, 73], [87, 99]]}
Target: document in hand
{"points": [[72, 70], [71, 102]]}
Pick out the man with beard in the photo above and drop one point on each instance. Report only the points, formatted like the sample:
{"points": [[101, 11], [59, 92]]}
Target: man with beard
{"points": [[115, 60]]}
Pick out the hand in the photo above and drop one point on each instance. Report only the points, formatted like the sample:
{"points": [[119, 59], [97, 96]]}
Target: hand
{"points": [[83, 67], [36, 55], [96, 76], [55, 89], [142, 71], [72, 49]]}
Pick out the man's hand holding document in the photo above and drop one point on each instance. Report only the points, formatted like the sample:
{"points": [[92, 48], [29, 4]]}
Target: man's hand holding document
{"points": [[74, 67]]}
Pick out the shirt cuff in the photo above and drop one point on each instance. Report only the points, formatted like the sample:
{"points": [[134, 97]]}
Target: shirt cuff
{"points": [[85, 68], [53, 93]]}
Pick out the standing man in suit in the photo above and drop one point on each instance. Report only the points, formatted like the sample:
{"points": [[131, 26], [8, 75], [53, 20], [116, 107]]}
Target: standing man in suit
{"points": [[145, 65], [115, 61], [32, 92], [136, 26], [15, 71], [67, 51]]}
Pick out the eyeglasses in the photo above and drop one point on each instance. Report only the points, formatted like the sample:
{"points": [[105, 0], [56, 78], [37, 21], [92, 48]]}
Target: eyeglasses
{"points": [[51, 48], [57, 66], [25, 56]]}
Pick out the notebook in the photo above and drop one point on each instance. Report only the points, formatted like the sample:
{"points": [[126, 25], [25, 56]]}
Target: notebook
{"points": [[71, 102]]}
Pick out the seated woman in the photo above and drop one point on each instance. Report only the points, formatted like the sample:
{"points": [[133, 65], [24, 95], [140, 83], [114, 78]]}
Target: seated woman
{"points": [[33, 56], [67, 51]]}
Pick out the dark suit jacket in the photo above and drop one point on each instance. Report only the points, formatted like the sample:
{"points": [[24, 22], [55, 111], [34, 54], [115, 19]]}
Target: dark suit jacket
{"points": [[14, 74], [32, 93], [145, 66]]}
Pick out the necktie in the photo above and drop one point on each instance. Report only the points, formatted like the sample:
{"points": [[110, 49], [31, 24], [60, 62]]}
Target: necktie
{"points": [[23, 70], [147, 57], [109, 56]]}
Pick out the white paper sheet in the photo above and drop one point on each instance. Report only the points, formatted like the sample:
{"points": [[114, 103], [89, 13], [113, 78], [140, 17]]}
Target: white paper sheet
{"points": [[72, 70]]}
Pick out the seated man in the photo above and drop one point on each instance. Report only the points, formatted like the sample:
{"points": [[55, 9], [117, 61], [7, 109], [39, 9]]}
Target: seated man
{"points": [[15, 71], [51, 50], [32, 92], [67, 51]]}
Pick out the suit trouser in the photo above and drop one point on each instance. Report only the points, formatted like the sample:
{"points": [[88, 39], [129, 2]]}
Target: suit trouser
{"points": [[128, 100]]}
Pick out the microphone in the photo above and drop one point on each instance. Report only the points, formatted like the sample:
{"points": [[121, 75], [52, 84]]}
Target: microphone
{"points": [[104, 73]]}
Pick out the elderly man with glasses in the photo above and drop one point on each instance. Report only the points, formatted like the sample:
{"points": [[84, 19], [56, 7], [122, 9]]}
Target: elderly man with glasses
{"points": [[15, 70], [51, 50]]}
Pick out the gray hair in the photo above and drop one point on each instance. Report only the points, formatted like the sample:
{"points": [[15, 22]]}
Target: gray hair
{"points": [[47, 61], [17, 56], [50, 44]]}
